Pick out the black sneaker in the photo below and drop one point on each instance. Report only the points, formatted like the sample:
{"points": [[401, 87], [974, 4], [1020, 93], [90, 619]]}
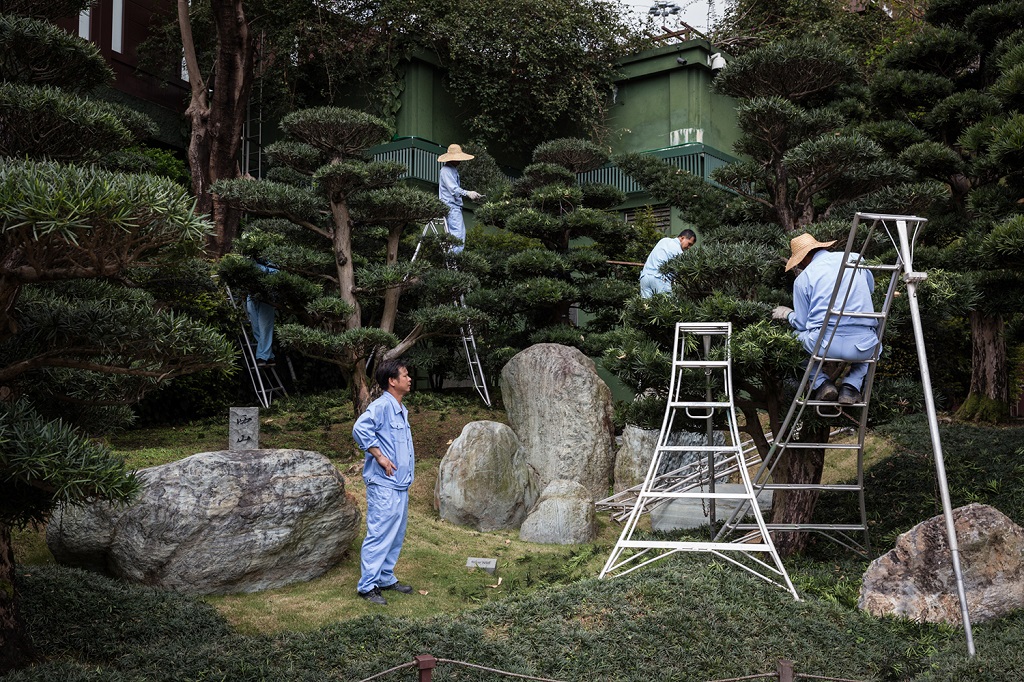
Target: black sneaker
{"points": [[826, 393], [374, 597], [398, 587], [848, 395], [265, 363]]}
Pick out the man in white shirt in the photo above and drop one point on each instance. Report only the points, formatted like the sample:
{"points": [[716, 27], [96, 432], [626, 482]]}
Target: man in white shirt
{"points": [[652, 281], [852, 339]]}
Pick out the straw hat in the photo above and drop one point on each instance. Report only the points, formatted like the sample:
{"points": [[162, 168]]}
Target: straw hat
{"points": [[455, 153], [801, 246]]}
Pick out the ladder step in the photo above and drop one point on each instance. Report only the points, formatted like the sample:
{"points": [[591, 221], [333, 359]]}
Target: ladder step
{"points": [[811, 486], [700, 448], [819, 446], [881, 268], [819, 358], [802, 526], [871, 316], [697, 495], [684, 404], [706, 546], [701, 363]]}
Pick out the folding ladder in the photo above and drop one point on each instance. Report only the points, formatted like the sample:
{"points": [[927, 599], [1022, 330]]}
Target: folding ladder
{"points": [[469, 349], [265, 380], [700, 355]]}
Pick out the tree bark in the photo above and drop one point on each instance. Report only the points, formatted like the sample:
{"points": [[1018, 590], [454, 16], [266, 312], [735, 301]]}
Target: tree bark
{"points": [[797, 506], [989, 397], [217, 123], [15, 647]]}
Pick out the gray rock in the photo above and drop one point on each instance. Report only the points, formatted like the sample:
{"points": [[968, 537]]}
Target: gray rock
{"points": [[483, 480], [564, 515], [217, 522], [633, 458], [915, 579], [562, 412]]}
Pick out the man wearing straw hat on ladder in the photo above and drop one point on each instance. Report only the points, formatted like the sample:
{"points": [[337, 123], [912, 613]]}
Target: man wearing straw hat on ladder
{"points": [[853, 338], [450, 192]]}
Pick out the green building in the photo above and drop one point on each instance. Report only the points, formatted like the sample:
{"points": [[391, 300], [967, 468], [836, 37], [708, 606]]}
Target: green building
{"points": [[663, 105]]}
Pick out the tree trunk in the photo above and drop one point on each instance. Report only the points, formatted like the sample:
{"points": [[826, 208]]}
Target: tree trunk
{"points": [[797, 506], [989, 397], [393, 294], [217, 124], [343, 262], [15, 647]]}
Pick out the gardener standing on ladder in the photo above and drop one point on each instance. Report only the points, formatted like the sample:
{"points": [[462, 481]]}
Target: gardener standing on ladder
{"points": [[450, 192], [853, 339]]}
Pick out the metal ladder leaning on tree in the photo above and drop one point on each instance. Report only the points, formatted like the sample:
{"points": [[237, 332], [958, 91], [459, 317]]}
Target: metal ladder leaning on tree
{"points": [[701, 363], [476, 370], [265, 380]]}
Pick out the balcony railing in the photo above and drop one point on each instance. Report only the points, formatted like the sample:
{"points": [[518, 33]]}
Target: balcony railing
{"points": [[420, 158], [696, 158]]}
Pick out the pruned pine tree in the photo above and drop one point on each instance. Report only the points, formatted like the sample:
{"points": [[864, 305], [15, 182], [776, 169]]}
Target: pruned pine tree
{"points": [[341, 230], [954, 98], [78, 341], [551, 255]]}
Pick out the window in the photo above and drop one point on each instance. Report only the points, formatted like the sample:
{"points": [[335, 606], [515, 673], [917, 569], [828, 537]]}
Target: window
{"points": [[117, 26], [84, 20]]}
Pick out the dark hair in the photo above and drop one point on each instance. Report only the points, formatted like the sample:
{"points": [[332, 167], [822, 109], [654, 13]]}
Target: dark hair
{"points": [[388, 369], [689, 234]]}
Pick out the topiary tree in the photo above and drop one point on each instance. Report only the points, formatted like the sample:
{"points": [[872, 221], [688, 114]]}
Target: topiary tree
{"points": [[955, 92], [78, 341], [333, 225], [551, 255]]}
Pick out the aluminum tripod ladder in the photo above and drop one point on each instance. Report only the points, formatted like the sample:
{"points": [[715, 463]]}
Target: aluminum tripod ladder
{"points": [[469, 349], [265, 380], [708, 363], [862, 240], [902, 232]]}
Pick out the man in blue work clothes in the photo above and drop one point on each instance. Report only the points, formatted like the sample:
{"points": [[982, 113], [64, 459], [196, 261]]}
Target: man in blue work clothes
{"points": [[261, 320], [450, 192], [383, 433], [853, 339], [651, 280]]}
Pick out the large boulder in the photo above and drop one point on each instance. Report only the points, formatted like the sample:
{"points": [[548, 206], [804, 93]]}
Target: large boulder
{"points": [[915, 579], [562, 412], [633, 458], [483, 480], [564, 515], [217, 522]]}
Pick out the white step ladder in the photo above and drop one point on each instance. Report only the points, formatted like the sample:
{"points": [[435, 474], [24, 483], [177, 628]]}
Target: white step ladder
{"points": [[701, 363], [265, 380], [469, 349]]}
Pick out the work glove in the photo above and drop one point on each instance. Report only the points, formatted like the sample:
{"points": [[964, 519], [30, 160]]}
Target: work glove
{"points": [[474, 195], [781, 313]]}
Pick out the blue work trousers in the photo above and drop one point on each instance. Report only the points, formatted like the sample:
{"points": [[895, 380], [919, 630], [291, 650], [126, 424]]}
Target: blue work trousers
{"points": [[261, 319], [650, 285], [387, 512], [852, 343], [456, 227]]}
